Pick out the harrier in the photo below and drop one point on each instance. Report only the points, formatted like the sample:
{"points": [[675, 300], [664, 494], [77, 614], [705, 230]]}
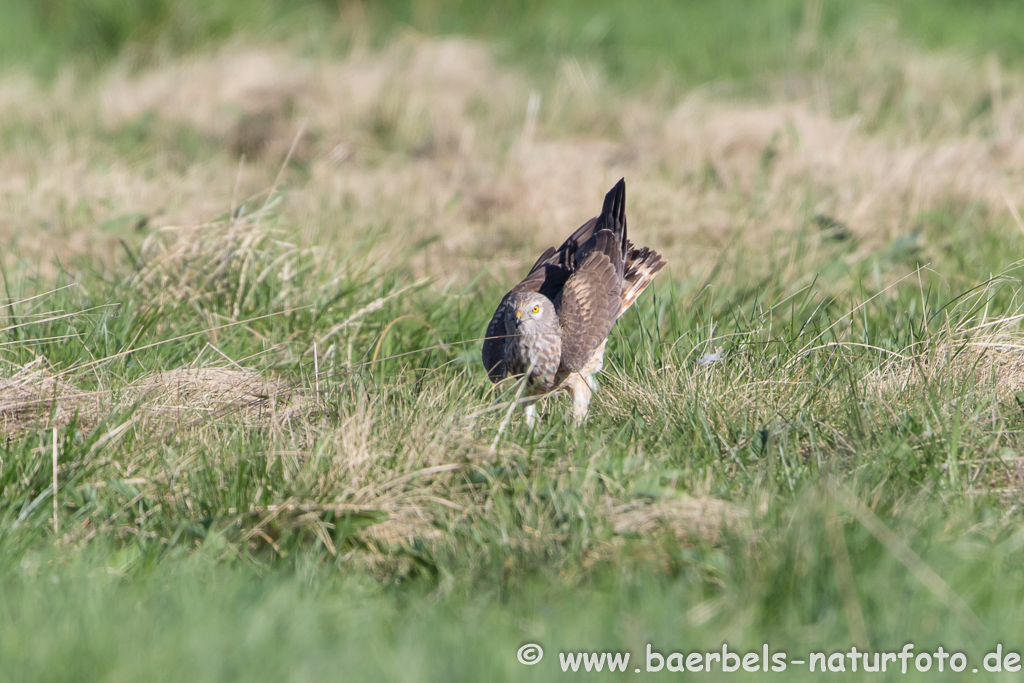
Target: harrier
{"points": [[553, 326]]}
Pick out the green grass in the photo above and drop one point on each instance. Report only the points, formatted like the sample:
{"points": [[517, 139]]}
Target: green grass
{"points": [[195, 619], [156, 553], [848, 473], [693, 42]]}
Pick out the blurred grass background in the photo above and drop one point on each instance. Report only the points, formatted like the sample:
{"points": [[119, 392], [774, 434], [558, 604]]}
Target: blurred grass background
{"points": [[869, 318], [692, 40]]}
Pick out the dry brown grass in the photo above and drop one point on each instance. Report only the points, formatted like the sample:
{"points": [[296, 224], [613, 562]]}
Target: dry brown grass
{"points": [[431, 140], [686, 518], [204, 393], [36, 398], [984, 357]]}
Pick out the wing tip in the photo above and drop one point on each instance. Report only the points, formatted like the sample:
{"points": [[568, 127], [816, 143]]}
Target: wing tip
{"points": [[613, 213], [615, 200]]}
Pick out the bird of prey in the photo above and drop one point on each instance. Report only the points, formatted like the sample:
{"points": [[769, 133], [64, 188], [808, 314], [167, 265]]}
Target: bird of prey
{"points": [[553, 326]]}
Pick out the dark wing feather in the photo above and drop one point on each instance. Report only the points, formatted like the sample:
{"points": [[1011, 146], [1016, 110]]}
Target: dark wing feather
{"points": [[591, 300], [613, 215], [494, 343], [565, 255], [548, 253]]}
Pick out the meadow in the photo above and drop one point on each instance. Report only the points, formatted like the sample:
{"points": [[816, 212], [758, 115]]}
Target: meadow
{"points": [[248, 256]]}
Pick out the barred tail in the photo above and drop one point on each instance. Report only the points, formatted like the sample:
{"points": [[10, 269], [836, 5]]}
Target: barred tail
{"points": [[641, 267]]}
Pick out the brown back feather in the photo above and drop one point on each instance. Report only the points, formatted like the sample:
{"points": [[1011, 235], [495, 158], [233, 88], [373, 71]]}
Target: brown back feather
{"points": [[591, 299]]}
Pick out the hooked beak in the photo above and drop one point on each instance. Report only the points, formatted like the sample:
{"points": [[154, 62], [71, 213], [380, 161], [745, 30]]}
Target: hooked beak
{"points": [[519, 318]]}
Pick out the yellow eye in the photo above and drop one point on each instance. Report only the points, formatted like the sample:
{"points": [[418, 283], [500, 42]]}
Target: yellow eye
{"points": [[536, 310]]}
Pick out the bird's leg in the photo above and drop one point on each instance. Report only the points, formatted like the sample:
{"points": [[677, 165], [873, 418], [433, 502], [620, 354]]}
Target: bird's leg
{"points": [[594, 367], [530, 410], [580, 399]]}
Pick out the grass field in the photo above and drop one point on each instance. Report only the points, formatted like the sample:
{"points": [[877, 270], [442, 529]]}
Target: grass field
{"points": [[249, 255]]}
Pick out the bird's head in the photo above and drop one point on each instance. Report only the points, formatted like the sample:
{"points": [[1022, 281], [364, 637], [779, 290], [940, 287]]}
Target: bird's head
{"points": [[529, 312]]}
